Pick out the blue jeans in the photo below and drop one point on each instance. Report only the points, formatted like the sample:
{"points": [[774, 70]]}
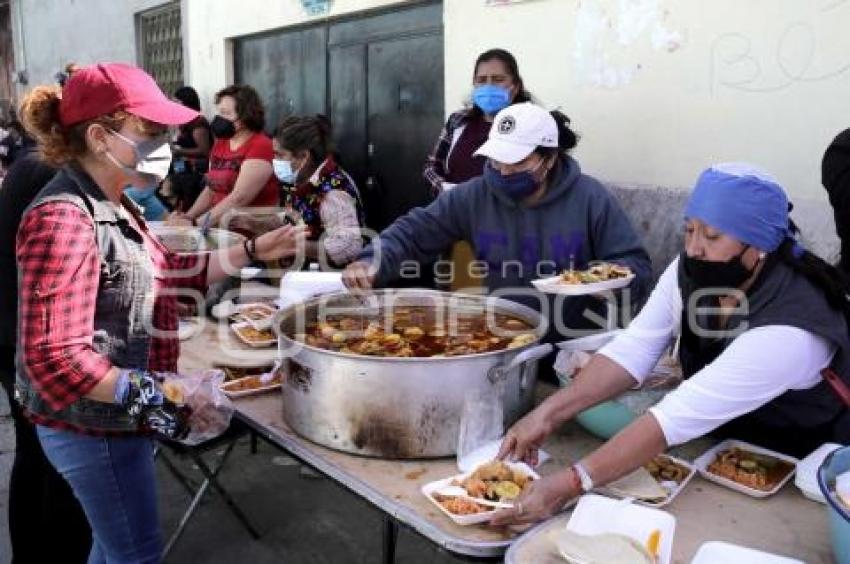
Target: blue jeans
{"points": [[114, 480]]}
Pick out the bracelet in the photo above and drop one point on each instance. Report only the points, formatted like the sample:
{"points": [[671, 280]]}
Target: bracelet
{"points": [[575, 480], [247, 244]]}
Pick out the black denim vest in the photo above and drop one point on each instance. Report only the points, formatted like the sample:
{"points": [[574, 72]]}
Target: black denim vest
{"points": [[781, 296], [124, 304]]}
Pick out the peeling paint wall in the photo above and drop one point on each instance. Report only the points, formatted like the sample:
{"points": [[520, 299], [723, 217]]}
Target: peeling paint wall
{"points": [[661, 88]]}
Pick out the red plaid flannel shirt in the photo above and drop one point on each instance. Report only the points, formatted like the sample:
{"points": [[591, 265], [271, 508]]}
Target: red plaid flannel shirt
{"points": [[59, 266], [435, 165]]}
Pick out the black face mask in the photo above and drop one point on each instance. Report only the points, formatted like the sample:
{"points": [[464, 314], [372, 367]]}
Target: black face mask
{"points": [[222, 128], [704, 274]]}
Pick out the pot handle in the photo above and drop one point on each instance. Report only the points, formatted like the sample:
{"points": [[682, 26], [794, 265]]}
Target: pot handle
{"points": [[500, 371]]}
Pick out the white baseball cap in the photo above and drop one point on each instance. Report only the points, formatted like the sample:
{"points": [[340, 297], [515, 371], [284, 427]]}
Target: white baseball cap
{"points": [[517, 131]]}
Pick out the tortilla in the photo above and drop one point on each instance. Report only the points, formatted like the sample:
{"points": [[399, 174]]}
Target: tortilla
{"points": [[640, 485], [601, 549]]}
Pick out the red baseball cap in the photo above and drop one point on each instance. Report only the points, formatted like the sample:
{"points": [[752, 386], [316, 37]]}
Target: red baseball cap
{"points": [[105, 88]]}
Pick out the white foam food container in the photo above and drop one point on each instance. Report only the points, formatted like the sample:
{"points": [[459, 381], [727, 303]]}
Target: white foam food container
{"points": [[718, 552], [487, 452], [671, 492], [260, 315], [237, 329], [476, 518], [596, 515], [710, 455], [555, 285], [807, 472], [233, 394]]}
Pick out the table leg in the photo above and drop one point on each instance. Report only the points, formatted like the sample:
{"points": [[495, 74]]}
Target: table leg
{"points": [[390, 538]]}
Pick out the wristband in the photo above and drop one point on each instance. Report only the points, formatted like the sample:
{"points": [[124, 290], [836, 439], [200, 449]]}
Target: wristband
{"points": [[585, 481], [250, 246]]}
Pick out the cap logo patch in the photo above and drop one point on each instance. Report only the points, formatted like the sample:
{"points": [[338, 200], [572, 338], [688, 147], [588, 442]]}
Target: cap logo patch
{"points": [[506, 125]]}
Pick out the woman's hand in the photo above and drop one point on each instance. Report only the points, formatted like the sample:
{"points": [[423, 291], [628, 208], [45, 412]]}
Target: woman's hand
{"points": [[179, 219], [283, 242], [524, 439], [359, 275], [544, 498]]}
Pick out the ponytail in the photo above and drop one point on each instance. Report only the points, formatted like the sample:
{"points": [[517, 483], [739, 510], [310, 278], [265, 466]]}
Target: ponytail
{"points": [[40, 115], [567, 138], [830, 280]]}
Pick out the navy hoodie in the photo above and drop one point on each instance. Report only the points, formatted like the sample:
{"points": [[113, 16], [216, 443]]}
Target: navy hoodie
{"points": [[576, 221]]}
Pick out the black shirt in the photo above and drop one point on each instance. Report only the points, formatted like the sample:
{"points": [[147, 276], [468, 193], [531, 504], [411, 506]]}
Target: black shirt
{"points": [[24, 180]]}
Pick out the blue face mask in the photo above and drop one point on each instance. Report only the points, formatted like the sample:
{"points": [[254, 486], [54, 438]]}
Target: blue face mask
{"points": [[491, 98], [283, 171], [517, 186]]}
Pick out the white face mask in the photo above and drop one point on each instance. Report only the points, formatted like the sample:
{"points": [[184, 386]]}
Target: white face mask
{"points": [[157, 163], [153, 158]]}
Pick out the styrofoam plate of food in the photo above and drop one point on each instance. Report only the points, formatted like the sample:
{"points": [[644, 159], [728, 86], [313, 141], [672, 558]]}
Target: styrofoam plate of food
{"points": [[599, 277], [746, 468], [655, 484], [249, 386], [508, 480], [260, 315], [257, 338], [599, 515], [191, 240]]}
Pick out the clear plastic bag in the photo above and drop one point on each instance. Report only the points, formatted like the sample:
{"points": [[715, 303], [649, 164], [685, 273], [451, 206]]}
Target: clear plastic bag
{"points": [[481, 421], [665, 377], [211, 408]]}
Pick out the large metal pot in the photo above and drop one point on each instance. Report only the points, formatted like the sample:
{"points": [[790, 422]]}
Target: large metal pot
{"points": [[399, 407]]}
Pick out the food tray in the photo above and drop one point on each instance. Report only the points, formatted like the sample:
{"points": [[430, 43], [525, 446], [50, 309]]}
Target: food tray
{"points": [[671, 494], [258, 314], [476, 518], [708, 457], [717, 552], [185, 240], [554, 285], [237, 327], [595, 515], [274, 385]]}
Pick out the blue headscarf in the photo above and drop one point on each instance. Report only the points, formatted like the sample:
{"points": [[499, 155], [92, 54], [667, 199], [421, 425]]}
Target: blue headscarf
{"points": [[743, 202]]}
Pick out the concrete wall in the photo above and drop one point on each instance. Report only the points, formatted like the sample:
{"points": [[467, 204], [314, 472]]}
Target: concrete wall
{"points": [[56, 32], [661, 88], [209, 25]]}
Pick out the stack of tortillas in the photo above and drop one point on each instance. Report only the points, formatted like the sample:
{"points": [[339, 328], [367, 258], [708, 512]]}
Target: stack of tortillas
{"points": [[639, 485], [601, 549]]}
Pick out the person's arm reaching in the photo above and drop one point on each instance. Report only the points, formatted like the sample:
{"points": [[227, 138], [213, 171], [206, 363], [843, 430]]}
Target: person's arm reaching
{"points": [[419, 235]]}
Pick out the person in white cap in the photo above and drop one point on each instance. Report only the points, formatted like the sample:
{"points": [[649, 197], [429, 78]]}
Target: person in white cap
{"points": [[532, 214]]}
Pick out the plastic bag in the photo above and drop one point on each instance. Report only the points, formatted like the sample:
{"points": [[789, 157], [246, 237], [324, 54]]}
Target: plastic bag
{"points": [[665, 377], [211, 408], [481, 421]]}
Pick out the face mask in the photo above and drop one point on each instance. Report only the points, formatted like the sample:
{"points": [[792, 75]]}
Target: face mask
{"points": [[283, 171], [222, 128], [491, 98], [157, 164], [516, 186], [705, 274], [152, 156]]}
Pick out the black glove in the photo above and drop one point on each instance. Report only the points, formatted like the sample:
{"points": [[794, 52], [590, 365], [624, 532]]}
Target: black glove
{"points": [[141, 393]]}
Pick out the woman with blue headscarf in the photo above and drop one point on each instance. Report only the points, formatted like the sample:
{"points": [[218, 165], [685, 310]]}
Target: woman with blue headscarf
{"points": [[760, 318]]}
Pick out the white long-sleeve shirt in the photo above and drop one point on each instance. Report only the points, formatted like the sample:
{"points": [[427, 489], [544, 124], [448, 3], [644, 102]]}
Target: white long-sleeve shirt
{"points": [[758, 366]]}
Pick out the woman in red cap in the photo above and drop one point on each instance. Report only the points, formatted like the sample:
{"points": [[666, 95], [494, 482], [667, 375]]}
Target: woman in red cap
{"points": [[98, 307]]}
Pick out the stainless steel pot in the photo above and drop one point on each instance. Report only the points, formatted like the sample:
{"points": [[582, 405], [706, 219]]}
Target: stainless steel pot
{"points": [[399, 407]]}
